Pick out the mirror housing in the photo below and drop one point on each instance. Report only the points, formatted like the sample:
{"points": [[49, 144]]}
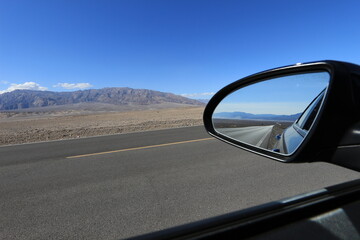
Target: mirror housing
{"points": [[335, 134]]}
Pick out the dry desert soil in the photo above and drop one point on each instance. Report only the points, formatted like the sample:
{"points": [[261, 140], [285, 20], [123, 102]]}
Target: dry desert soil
{"points": [[26, 127]]}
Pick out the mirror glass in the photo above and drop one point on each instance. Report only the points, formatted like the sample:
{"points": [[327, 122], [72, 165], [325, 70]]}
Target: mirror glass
{"points": [[275, 114]]}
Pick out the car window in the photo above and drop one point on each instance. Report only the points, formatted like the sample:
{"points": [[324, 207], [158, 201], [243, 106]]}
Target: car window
{"points": [[307, 118]]}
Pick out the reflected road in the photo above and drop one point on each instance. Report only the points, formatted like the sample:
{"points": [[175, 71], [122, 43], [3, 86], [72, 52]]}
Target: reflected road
{"points": [[256, 135]]}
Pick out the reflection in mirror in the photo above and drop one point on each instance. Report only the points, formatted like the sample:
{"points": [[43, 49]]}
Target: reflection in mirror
{"points": [[275, 114]]}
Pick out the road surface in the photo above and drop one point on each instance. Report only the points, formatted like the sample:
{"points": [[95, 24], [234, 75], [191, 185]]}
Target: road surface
{"points": [[256, 135], [123, 185]]}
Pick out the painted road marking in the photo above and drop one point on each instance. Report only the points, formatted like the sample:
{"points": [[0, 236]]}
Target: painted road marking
{"points": [[138, 148], [265, 135]]}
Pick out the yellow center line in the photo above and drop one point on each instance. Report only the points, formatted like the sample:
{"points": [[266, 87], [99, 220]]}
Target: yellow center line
{"points": [[138, 148]]}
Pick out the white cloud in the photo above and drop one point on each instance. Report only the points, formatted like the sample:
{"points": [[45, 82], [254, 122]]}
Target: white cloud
{"points": [[73, 85], [198, 95], [4, 82], [26, 85]]}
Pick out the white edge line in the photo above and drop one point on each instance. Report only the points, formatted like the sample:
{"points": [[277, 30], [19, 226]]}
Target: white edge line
{"points": [[263, 138]]}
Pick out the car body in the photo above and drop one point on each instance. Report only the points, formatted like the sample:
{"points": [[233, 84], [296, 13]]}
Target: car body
{"points": [[295, 134]]}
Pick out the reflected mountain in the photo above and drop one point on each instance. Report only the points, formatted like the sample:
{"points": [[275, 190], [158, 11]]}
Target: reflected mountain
{"points": [[250, 116]]}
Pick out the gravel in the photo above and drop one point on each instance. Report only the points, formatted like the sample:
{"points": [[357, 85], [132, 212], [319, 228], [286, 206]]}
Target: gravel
{"points": [[30, 127]]}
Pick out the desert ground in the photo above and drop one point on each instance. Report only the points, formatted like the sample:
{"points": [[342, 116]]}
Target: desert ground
{"points": [[36, 126]]}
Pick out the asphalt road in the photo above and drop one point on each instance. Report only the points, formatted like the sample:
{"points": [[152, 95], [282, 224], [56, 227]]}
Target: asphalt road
{"points": [[255, 135], [124, 185]]}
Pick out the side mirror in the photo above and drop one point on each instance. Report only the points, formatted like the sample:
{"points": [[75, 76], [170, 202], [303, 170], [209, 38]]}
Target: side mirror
{"points": [[301, 113]]}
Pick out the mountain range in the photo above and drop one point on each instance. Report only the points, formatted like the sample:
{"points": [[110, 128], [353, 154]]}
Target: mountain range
{"points": [[23, 99], [250, 116]]}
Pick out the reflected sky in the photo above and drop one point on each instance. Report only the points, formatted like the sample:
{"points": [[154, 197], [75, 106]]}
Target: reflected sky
{"points": [[285, 95]]}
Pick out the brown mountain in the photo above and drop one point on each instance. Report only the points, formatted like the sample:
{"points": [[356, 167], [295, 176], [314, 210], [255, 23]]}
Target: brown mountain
{"points": [[22, 99]]}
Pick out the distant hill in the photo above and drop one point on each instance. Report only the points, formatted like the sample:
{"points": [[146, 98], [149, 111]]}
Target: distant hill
{"points": [[206, 101], [22, 99], [250, 116]]}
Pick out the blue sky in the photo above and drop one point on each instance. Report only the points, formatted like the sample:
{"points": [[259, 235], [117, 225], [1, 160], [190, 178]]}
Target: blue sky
{"points": [[192, 47]]}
